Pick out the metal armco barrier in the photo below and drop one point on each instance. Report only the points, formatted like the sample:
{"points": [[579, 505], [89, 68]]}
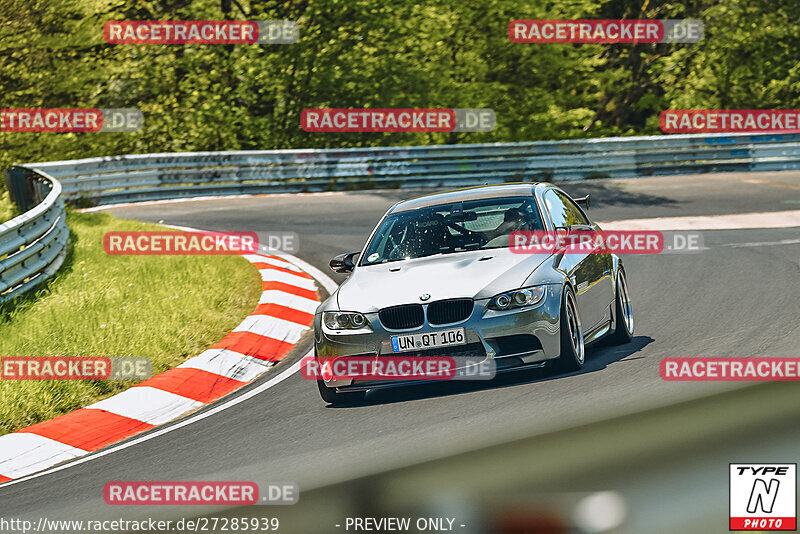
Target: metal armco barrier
{"points": [[134, 178], [32, 245]]}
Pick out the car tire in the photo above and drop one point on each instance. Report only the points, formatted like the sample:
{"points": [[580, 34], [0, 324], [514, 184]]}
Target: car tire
{"points": [[331, 396], [623, 313], [573, 352]]}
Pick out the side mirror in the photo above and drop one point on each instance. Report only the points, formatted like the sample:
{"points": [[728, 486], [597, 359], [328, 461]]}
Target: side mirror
{"points": [[344, 263], [583, 200]]}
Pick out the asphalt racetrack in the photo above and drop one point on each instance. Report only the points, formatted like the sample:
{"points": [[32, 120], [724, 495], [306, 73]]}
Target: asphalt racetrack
{"points": [[739, 297]]}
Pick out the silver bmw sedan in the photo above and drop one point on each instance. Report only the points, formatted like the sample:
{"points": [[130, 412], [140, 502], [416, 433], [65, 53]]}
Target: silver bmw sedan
{"points": [[438, 277]]}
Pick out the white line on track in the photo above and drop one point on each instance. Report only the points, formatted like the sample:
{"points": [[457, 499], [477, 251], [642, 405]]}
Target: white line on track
{"points": [[763, 243], [734, 221]]}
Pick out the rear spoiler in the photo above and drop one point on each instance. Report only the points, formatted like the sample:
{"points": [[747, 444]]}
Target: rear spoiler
{"points": [[583, 200]]}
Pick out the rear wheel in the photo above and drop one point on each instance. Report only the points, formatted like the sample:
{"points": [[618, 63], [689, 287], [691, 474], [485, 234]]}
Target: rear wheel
{"points": [[331, 396], [623, 313], [573, 352]]}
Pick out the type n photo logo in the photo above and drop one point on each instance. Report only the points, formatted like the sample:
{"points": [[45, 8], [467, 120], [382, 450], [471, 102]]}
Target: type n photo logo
{"points": [[763, 497]]}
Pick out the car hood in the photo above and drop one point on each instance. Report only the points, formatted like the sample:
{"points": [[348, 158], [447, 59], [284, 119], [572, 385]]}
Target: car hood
{"points": [[475, 274]]}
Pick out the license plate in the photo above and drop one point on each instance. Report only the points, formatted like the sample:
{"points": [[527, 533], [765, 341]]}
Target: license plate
{"points": [[429, 340]]}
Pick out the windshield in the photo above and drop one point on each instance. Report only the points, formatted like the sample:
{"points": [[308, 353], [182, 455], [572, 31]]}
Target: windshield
{"points": [[453, 227]]}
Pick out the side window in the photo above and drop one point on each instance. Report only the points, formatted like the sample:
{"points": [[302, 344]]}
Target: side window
{"points": [[575, 212], [562, 209]]}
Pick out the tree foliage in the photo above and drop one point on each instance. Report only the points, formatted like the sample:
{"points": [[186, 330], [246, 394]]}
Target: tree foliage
{"points": [[382, 53]]}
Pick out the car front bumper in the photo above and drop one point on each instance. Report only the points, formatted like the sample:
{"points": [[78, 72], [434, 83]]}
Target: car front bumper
{"points": [[512, 338]]}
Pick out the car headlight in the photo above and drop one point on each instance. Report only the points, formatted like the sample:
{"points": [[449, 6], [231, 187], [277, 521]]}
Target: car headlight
{"points": [[344, 320], [527, 296]]}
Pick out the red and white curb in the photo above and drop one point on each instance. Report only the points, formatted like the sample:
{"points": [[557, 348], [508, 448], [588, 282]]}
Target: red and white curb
{"points": [[284, 312]]}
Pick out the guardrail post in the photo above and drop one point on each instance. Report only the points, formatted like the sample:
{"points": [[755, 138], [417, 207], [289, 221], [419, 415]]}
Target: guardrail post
{"points": [[21, 189]]}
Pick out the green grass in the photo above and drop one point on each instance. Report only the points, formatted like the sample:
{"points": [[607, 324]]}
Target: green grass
{"points": [[167, 308], [7, 208]]}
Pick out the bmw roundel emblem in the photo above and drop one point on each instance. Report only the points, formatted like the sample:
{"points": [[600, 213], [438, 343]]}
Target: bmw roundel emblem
{"points": [[424, 296]]}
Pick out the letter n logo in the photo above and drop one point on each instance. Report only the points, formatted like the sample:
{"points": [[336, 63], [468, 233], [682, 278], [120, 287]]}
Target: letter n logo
{"points": [[763, 495]]}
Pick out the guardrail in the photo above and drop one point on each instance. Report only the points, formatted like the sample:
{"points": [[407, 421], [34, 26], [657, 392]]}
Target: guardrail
{"points": [[135, 178], [32, 245]]}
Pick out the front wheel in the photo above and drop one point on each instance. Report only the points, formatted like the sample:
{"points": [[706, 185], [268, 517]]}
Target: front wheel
{"points": [[572, 355], [623, 313], [331, 396]]}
